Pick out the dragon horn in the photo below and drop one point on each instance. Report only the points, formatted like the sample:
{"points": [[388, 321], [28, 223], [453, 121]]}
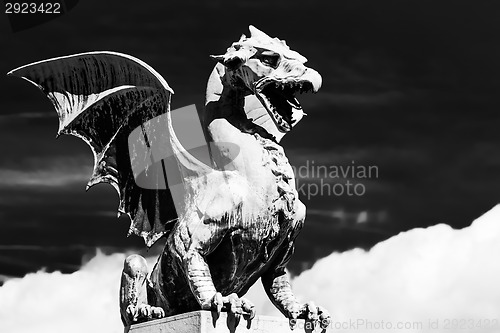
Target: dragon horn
{"points": [[254, 32]]}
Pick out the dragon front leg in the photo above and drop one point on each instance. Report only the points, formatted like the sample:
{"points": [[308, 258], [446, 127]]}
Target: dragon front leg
{"points": [[191, 251], [134, 305], [279, 290], [202, 286]]}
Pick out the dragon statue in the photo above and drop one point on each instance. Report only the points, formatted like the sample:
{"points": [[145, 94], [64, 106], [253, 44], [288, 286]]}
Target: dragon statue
{"points": [[237, 216]]}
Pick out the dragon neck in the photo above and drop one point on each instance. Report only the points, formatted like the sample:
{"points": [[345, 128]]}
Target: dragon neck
{"points": [[224, 102]]}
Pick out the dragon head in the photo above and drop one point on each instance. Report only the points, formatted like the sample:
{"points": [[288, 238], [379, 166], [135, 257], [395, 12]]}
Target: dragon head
{"points": [[269, 69]]}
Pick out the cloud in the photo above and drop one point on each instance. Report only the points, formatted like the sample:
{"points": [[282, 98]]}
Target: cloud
{"points": [[44, 178], [85, 301], [418, 275], [55, 172], [24, 115], [421, 274]]}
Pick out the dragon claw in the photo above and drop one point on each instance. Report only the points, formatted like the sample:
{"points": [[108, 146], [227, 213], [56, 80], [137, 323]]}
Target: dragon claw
{"points": [[157, 312], [324, 317], [234, 305], [248, 308], [293, 314], [144, 312], [312, 312], [217, 303], [316, 315], [130, 311]]}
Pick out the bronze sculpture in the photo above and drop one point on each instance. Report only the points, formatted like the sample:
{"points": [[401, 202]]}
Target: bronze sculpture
{"points": [[236, 220]]}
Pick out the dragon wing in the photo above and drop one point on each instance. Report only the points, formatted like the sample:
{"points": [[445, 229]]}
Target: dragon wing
{"points": [[101, 97]]}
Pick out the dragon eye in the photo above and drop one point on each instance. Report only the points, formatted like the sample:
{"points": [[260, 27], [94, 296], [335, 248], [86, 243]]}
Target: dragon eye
{"points": [[270, 59]]}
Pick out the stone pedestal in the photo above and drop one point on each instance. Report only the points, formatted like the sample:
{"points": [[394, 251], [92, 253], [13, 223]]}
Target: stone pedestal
{"points": [[206, 322]]}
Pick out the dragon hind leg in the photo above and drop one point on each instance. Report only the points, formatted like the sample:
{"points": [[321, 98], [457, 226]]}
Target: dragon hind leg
{"points": [[134, 306]]}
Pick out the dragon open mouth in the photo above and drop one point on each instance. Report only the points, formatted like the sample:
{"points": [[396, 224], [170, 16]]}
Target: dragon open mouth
{"points": [[279, 100]]}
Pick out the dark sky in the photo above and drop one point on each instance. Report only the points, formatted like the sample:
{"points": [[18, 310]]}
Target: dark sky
{"points": [[408, 86]]}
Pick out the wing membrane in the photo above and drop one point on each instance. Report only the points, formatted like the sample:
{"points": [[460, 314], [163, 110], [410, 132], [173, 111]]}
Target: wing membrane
{"points": [[101, 97]]}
